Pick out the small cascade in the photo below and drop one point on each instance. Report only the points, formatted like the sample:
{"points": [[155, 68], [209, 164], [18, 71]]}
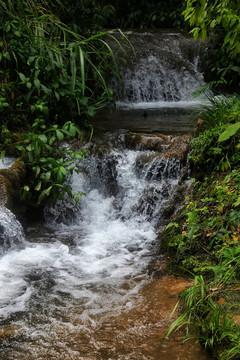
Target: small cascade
{"points": [[83, 271], [11, 231], [160, 71], [164, 68], [139, 173]]}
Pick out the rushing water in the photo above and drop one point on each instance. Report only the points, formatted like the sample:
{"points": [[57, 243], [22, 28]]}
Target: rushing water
{"points": [[85, 283], [164, 67], [6, 162]]}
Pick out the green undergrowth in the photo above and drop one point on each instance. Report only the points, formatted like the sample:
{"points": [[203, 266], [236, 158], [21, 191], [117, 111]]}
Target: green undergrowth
{"points": [[53, 79], [203, 240]]}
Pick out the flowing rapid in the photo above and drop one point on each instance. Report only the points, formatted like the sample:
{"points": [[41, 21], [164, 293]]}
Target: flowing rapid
{"points": [[85, 283]]}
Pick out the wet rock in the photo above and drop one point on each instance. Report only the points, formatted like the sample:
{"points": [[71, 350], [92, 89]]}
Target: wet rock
{"points": [[169, 146], [10, 182]]}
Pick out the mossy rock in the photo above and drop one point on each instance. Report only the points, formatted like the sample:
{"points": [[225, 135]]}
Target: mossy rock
{"points": [[11, 180]]}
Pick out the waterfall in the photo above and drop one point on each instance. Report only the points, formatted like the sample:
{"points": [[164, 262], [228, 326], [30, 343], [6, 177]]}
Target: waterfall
{"points": [[160, 71], [164, 67]]}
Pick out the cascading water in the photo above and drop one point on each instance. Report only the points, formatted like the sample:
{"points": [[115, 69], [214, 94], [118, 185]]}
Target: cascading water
{"points": [[163, 68], [160, 72], [65, 290], [79, 285], [11, 231]]}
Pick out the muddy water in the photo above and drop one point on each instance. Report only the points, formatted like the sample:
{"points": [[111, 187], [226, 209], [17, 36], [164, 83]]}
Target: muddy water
{"points": [[137, 334]]}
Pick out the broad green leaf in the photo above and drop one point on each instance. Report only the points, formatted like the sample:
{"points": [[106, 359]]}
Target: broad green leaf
{"points": [[59, 176], [43, 138], [52, 139], [48, 190], [17, 33], [29, 147], [38, 186], [45, 89], [22, 77], [7, 55], [37, 171], [63, 170], [30, 60], [37, 83], [229, 132], [59, 135]]}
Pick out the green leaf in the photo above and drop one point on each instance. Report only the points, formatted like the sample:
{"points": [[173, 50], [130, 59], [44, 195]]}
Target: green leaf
{"points": [[38, 186], [172, 224], [30, 60], [7, 55], [59, 135], [63, 170], [17, 33], [45, 89], [60, 176], [29, 147], [237, 202], [43, 138], [57, 95], [37, 171], [48, 176], [3, 152], [36, 149], [22, 77], [52, 139], [44, 193], [37, 83], [229, 132]]}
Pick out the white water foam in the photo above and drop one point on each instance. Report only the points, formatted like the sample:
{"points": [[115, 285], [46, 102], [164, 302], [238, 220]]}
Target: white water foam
{"points": [[183, 104], [105, 246], [6, 162]]}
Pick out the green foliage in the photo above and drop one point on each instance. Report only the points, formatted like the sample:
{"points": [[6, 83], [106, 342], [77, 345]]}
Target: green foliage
{"points": [[218, 147], [99, 14], [221, 20], [204, 240], [48, 162], [47, 69], [220, 110], [204, 16], [89, 15], [51, 78], [213, 326], [230, 131], [208, 229]]}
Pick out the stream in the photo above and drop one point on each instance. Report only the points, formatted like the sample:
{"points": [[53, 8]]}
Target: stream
{"points": [[90, 282]]}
